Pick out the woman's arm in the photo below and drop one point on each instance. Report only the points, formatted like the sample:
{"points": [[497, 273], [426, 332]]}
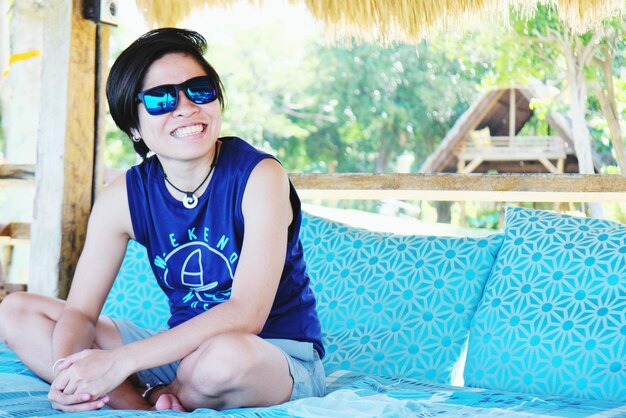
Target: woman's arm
{"points": [[267, 214], [107, 237]]}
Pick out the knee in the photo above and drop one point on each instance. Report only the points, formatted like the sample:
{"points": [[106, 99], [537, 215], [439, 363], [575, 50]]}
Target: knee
{"points": [[13, 305], [11, 310], [219, 365]]}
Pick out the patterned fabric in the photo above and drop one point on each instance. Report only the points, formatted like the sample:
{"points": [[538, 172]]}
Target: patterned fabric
{"points": [[380, 284], [553, 316], [349, 395], [394, 305], [378, 396], [135, 295], [11, 364]]}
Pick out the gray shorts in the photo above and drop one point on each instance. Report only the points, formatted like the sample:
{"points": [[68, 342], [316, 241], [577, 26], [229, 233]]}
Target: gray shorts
{"points": [[305, 365]]}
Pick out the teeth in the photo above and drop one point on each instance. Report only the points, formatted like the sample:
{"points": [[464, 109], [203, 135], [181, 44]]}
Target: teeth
{"points": [[187, 131]]}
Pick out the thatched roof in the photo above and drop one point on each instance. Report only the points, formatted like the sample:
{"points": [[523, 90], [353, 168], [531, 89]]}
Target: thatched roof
{"points": [[400, 20], [491, 109]]}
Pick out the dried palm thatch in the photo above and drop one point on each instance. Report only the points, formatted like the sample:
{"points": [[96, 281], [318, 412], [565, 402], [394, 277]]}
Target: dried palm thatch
{"points": [[401, 20], [412, 20]]}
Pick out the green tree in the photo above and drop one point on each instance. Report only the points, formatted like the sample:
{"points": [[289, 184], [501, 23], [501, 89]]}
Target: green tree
{"points": [[265, 68], [374, 104]]}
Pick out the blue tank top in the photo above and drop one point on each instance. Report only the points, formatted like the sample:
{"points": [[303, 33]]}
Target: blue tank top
{"points": [[194, 252]]}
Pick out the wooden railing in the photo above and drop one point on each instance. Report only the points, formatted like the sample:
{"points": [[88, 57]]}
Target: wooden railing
{"points": [[446, 187], [17, 175], [14, 233], [464, 187], [505, 148]]}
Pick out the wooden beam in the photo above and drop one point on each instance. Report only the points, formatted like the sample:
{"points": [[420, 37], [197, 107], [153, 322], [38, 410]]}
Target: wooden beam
{"points": [[508, 155], [512, 110], [472, 165], [103, 37], [480, 114], [14, 232], [464, 187], [65, 150], [549, 166], [17, 175]]}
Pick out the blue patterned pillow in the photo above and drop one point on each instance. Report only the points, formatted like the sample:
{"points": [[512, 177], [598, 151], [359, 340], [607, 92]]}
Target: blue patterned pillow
{"points": [[553, 316], [395, 305], [135, 294]]}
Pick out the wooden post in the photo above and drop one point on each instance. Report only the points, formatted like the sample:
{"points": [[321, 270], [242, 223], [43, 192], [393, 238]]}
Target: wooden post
{"points": [[5, 51], [512, 112], [65, 150], [103, 36]]}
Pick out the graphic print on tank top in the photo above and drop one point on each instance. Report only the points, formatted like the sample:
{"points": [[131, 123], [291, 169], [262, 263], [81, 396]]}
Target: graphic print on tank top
{"points": [[200, 274]]}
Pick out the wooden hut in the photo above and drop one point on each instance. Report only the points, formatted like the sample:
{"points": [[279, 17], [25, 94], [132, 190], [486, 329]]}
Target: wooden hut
{"points": [[68, 171], [486, 138]]}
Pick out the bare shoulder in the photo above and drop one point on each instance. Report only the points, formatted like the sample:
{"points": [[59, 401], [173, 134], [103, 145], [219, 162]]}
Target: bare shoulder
{"points": [[267, 192], [269, 170], [111, 208]]}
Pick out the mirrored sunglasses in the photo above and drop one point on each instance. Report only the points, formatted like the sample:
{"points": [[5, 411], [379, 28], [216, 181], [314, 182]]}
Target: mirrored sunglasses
{"points": [[163, 99]]}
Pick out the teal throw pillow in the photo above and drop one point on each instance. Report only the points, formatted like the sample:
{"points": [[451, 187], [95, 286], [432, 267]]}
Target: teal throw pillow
{"points": [[394, 305], [553, 316]]}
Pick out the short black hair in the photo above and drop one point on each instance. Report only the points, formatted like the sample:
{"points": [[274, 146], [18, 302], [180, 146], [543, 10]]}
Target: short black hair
{"points": [[129, 69]]}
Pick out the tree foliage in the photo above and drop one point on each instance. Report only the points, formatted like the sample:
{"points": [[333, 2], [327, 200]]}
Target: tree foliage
{"points": [[374, 105]]}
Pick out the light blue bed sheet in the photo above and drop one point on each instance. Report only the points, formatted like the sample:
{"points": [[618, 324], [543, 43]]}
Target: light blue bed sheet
{"points": [[350, 395]]}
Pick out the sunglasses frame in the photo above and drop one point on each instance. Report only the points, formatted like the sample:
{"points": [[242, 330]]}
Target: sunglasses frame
{"points": [[177, 88]]}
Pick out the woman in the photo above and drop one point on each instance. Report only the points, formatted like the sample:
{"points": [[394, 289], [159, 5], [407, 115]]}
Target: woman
{"points": [[220, 221]]}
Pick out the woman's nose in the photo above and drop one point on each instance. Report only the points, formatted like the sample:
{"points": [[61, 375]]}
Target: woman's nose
{"points": [[184, 105]]}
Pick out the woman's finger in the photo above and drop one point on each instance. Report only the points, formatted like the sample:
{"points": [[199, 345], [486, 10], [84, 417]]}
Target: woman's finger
{"points": [[62, 365], [58, 397], [85, 406], [70, 388], [61, 381]]}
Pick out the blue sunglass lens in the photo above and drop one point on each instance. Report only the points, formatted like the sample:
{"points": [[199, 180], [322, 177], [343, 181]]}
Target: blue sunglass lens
{"points": [[160, 100], [200, 90], [163, 99]]}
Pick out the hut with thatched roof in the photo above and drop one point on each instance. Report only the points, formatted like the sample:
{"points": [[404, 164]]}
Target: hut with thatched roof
{"points": [[485, 138]]}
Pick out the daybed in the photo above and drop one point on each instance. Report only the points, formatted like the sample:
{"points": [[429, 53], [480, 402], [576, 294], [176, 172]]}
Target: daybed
{"points": [[543, 304]]}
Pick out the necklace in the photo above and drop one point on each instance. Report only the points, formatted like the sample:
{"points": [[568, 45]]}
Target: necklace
{"points": [[190, 200]]}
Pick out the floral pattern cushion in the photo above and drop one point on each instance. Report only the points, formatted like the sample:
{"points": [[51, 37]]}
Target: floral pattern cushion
{"points": [[553, 315], [395, 305]]}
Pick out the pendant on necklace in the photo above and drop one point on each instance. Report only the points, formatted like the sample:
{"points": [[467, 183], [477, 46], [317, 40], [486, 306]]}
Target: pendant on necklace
{"points": [[190, 201]]}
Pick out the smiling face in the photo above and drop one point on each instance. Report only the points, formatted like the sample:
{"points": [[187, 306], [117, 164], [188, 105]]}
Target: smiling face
{"points": [[191, 130]]}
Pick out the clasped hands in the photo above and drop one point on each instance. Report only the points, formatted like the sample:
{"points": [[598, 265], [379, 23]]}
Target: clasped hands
{"points": [[82, 381]]}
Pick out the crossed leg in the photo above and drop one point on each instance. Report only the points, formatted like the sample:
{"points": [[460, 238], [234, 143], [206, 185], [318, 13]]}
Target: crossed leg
{"points": [[26, 324], [227, 371]]}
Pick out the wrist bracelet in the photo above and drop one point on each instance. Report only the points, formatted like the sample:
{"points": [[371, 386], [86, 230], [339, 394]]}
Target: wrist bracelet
{"points": [[150, 391], [56, 363]]}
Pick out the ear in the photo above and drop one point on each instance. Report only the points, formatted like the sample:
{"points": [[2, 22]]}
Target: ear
{"points": [[135, 133]]}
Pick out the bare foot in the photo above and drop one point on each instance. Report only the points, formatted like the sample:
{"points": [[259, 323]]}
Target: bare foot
{"points": [[168, 401]]}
